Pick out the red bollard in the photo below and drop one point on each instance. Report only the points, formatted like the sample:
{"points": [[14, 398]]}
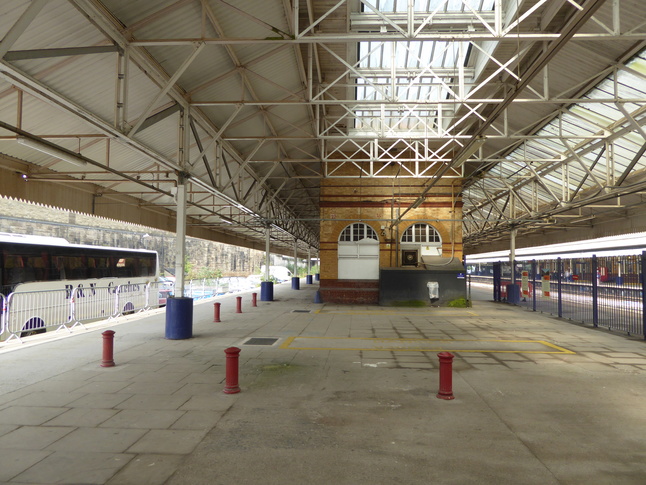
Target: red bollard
{"points": [[238, 304], [108, 349], [216, 313], [231, 385], [254, 299], [446, 376]]}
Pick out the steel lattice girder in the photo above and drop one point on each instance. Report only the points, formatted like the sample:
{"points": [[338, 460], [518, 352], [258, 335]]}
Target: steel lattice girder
{"points": [[259, 187]]}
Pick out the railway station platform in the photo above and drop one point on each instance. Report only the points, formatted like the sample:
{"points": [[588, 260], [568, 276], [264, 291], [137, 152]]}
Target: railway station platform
{"points": [[345, 395]]}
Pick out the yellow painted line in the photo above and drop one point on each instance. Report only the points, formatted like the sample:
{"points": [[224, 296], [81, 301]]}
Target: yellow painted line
{"points": [[421, 314], [433, 345]]}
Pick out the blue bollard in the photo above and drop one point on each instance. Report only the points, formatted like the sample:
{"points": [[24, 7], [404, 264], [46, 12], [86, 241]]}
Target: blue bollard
{"points": [[179, 318], [267, 291]]}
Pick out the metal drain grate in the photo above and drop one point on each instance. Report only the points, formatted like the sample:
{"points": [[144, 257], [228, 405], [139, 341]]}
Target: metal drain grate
{"points": [[301, 311], [261, 341]]}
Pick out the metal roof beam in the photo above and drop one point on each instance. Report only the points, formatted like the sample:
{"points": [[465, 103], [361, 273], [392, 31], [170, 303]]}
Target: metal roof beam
{"points": [[17, 29], [60, 52]]}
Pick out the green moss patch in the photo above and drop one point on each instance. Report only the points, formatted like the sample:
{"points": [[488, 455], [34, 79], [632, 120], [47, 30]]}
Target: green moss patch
{"points": [[459, 303]]}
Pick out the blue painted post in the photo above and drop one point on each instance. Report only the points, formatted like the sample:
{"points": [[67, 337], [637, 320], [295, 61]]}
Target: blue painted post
{"points": [[595, 293], [534, 285], [559, 280]]}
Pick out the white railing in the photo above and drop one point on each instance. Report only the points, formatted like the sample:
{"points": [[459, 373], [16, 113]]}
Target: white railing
{"points": [[131, 299], [29, 312], [3, 307], [97, 303], [156, 294], [33, 312], [198, 289]]}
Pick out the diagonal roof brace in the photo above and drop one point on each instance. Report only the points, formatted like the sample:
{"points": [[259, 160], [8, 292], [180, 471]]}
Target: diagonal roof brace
{"points": [[573, 25]]}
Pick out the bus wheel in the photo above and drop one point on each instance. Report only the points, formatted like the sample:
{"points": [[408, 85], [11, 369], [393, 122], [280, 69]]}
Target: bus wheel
{"points": [[34, 326], [128, 309]]}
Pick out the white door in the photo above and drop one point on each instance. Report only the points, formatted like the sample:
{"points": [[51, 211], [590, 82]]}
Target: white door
{"points": [[359, 260]]}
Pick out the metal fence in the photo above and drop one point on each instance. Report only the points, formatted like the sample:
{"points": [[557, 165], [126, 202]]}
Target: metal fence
{"points": [[25, 313], [602, 291]]}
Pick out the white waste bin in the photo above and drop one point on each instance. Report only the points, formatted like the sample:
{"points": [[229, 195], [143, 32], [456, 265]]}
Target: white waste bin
{"points": [[433, 290]]}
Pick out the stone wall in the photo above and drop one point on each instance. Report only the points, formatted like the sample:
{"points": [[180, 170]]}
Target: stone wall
{"points": [[20, 217]]}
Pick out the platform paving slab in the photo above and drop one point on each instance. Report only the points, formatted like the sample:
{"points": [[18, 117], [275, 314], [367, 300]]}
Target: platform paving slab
{"points": [[344, 416], [98, 440], [147, 469], [76, 467]]}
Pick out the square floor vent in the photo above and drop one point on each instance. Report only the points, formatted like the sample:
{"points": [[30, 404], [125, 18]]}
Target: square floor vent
{"points": [[261, 341]]}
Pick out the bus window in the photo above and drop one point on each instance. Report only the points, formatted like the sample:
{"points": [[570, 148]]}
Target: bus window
{"points": [[14, 270], [74, 268]]}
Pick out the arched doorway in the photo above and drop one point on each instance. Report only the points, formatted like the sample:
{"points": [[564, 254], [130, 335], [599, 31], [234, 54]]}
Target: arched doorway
{"points": [[358, 251]]}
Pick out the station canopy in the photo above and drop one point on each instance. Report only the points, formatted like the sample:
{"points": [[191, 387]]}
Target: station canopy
{"points": [[535, 107]]}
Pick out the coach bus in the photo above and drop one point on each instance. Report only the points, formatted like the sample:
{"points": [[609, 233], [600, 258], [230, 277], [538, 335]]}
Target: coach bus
{"points": [[48, 283]]}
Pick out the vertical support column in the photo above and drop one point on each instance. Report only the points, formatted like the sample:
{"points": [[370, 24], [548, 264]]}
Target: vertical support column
{"points": [[308, 278], [180, 238], [559, 286], [317, 276], [267, 287], [512, 255], [295, 257], [533, 285], [296, 282], [267, 251], [595, 292], [182, 182], [496, 281], [121, 90], [642, 279]]}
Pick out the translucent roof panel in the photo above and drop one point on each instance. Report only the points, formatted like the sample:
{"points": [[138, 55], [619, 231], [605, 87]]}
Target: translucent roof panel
{"points": [[400, 6], [589, 131], [408, 71]]}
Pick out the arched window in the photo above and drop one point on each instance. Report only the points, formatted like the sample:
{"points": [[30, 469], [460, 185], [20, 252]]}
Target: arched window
{"points": [[358, 231], [421, 233], [358, 251], [419, 241]]}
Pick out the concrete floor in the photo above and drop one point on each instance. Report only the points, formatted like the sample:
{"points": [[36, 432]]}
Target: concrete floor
{"points": [[346, 395]]}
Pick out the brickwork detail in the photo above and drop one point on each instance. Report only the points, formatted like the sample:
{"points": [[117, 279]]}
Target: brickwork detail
{"points": [[376, 202], [351, 292]]}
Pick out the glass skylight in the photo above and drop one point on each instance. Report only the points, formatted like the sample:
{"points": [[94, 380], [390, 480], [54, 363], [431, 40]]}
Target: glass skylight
{"points": [[408, 76], [585, 120]]}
